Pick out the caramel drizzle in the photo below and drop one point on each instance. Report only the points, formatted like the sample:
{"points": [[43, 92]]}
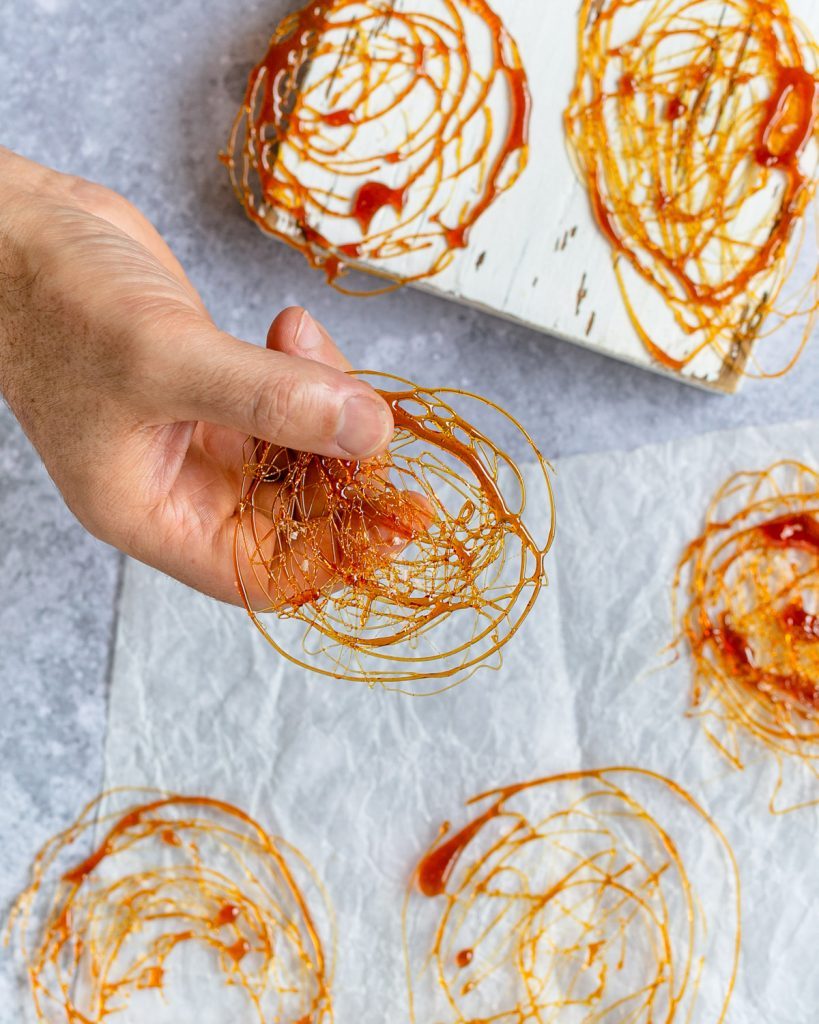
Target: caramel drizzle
{"points": [[91, 939], [454, 503], [283, 110], [746, 595], [672, 152], [520, 888]]}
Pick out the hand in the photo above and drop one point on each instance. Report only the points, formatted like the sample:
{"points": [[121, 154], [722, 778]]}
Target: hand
{"points": [[136, 402]]}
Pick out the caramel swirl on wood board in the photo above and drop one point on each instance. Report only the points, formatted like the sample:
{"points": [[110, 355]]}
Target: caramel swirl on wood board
{"points": [[381, 131], [693, 125]]}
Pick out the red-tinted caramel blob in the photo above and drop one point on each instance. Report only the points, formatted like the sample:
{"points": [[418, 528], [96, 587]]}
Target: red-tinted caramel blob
{"points": [[104, 932], [372, 197], [794, 530], [747, 595], [436, 867], [227, 914], [676, 108], [789, 120], [804, 624], [570, 897], [339, 117], [732, 644], [445, 89], [170, 837], [374, 557], [464, 957], [151, 977], [239, 950], [696, 136]]}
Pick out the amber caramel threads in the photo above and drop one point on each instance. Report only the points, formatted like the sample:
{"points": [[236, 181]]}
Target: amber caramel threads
{"points": [[746, 600], [106, 931], [410, 570], [376, 134], [693, 125], [572, 897]]}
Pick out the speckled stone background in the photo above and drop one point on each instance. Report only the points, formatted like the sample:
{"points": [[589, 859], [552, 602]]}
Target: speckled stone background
{"points": [[140, 94]]}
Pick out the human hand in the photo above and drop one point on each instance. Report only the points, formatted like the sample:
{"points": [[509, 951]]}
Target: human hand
{"points": [[137, 403]]}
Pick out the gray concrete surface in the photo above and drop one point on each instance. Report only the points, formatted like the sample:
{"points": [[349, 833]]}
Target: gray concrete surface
{"points": [[139, 94]]}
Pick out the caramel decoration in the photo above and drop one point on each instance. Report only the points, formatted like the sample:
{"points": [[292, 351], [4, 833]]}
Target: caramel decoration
{"points": [[410, 570], [169, 879], [381, 131], [375, 557], [693, 125], [569, 900], [746, 600]]}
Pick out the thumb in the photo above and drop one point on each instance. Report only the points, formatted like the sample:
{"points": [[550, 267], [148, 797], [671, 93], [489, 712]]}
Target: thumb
{"points": [[282, 398]]}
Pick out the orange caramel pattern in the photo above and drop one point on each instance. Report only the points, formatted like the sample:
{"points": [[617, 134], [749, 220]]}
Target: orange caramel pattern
{"points": [[569, 899], [373, 558], [370, 132], [746, 596], [170, 873], [693, 125]]}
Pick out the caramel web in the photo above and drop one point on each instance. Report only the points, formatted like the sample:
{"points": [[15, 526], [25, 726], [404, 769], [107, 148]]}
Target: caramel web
{"points": [[379, 131], [410, 570], [569, 900], [179, 891], [746, 598], [693, 124]]}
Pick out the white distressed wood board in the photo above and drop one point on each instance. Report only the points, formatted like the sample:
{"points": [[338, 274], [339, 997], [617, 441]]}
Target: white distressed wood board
{"points": [[536, 255]]}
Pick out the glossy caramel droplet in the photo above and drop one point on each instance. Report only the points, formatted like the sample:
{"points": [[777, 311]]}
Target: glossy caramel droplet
{"points": [[675, 108], [372, 197], [239, 950], [797, 530], [804, 624], [151, 977], [435, 869], [339, 118], [457, 238], [734, 644], [464, 958], [791, 118], [227, 914]]}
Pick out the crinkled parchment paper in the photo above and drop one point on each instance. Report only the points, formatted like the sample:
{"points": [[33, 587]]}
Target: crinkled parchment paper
{"points": [[361, 780]]}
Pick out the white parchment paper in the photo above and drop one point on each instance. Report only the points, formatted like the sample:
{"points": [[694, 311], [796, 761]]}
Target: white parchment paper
{"points": [[360, 781]]}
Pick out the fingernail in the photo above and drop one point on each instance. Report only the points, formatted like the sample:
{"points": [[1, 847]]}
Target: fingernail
{"points": [[308, 338], [364, 426]]}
